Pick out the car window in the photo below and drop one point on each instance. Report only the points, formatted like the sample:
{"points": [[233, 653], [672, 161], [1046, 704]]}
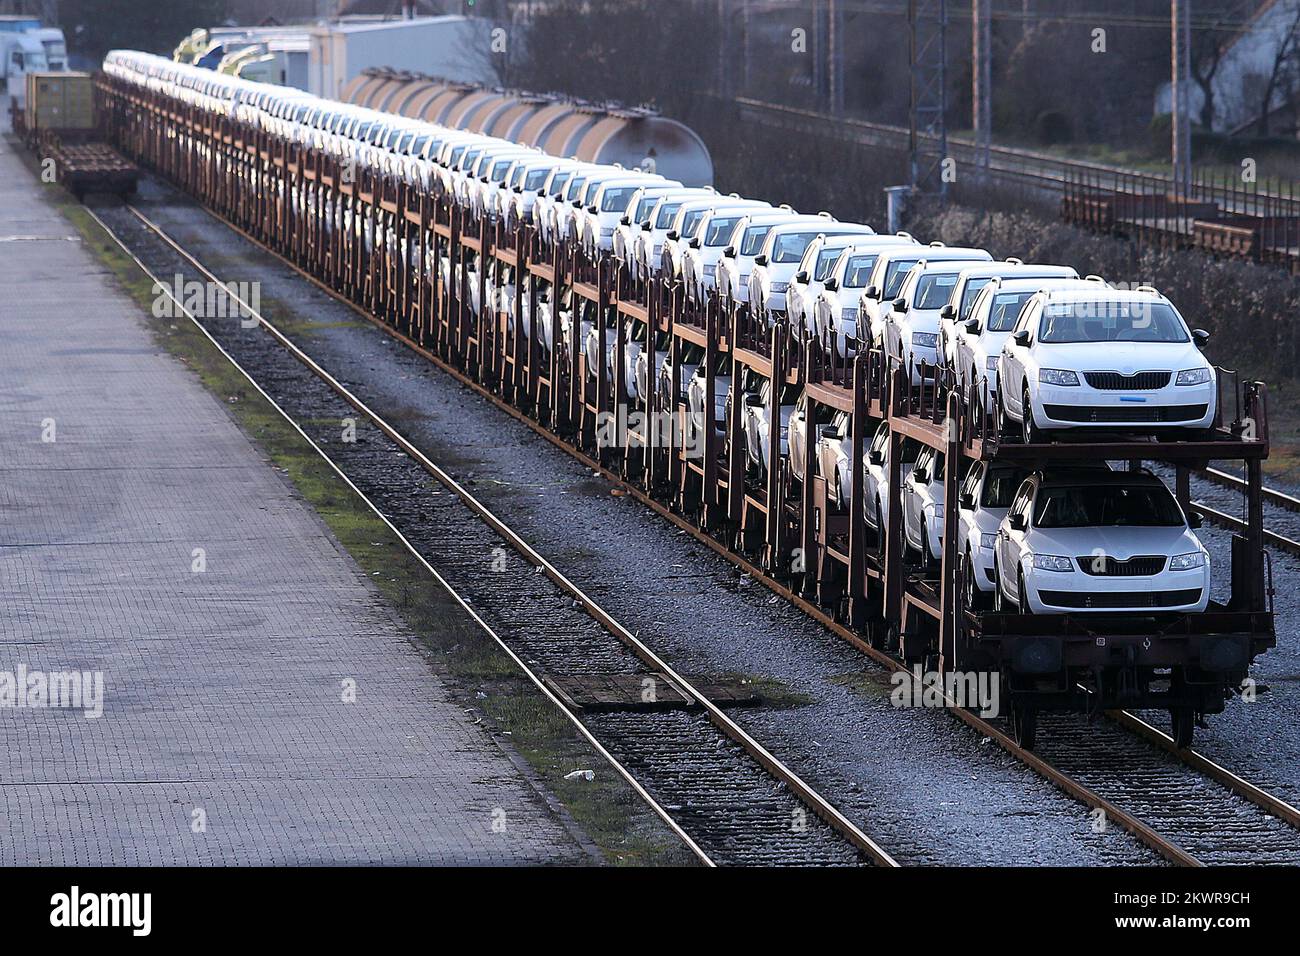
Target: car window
{"points": [[934, 291], [881, 440], [857, 272], [1027, 316], [790, 246], [1110, 321], [940, 466], [753, 240], [826, 260], [1000, 487], [720, 230], [1089, 506], [972, 481], [536, 179], [911, 449], [616, 198], [1005, 310], [968, 296], [667, 213], [896, 274]]}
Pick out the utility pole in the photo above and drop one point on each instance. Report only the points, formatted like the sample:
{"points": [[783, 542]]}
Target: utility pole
{"points": [[982, 78], [724, 50], [1180, 11], [744, 70], [818, 55], [928, 132], [835, 22]]}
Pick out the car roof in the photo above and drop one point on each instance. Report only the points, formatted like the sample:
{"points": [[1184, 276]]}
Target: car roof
{"points": [[1099, 292], [1036, 284], [1009, 267], [1077, 475]]}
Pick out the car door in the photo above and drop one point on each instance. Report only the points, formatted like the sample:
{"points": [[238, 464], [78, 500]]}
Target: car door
{"points": [[912, 499], [1011, 543], [798, 433], [969, 492], [1011, 368]]}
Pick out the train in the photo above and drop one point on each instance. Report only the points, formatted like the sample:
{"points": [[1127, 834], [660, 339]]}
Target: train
{"points": [[974, 466]]}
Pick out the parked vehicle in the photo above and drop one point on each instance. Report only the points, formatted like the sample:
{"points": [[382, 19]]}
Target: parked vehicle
{"points": [[836, 307], [815, 268], [974, 278], [1104, 359], [876, 468], [1092, 540], [777, 262], [887, 278]]}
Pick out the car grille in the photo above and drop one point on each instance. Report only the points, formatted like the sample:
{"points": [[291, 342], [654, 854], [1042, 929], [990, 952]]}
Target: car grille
{"points": [[1114, 599], [1114, 381], [1142, 414], [1142, 565]]}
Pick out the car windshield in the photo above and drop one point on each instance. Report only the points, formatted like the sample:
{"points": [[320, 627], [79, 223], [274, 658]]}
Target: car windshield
{"points": [[720, 230], [826, 260], [857, 271], [791, 246], [575, 187], [536, 179], [589, 197], [753, 240], [616, 198], [1110, 321], [1106, 506], [643, 208], [667, 213], [500, 169], [557, 184], [895, 276], [934, 291], [692, 222], [968, 296], [1000, 487], [1006, 309]]}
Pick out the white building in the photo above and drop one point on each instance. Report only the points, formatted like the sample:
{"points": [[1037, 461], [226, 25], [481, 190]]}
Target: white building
{"points": [[1248, 59], [457, 48]]}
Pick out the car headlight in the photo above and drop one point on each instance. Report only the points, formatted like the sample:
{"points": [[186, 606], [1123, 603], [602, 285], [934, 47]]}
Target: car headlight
{"points": [[780, 286], [991, 363], [988, 540], [1052, 562], [1187, 562], [925, 340], [937, 511], [1056, 376], [1194, 376]]}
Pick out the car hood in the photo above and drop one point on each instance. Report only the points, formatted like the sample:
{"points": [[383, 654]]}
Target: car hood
{"points": [[1124, 357], [1120, 543]]}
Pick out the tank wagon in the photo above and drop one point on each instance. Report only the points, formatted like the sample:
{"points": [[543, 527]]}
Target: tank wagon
{"points": [[633, 138], [946, 453]]}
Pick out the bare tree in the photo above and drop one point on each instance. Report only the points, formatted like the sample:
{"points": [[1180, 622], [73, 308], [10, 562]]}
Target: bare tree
{"points": [[1283, 72]]}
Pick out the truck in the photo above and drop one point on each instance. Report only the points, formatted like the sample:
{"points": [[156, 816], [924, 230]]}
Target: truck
{"points": [[28, 47]]}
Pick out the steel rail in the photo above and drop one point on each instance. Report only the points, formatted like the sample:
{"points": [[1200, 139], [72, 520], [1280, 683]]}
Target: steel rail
{"points": [[773, 765], [528, 672], [1164, 846]]}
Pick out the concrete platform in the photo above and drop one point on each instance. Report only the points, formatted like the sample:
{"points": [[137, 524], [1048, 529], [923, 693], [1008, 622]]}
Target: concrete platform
{"points": [[224, 737]]}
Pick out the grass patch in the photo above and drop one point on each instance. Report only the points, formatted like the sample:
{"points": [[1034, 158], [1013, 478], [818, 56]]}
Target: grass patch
{"points": [[468, 661]]}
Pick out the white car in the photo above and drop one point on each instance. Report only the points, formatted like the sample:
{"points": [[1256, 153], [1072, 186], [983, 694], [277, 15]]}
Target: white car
{"points": [[570, 213], [1108, 359], [778, 261], [596, 223], [977, 342], [648, 248], [835, 309], [911, 325], [758, 428], [887, 278], [552, 209], [687, 228], [876, 474], [923, 509], [1093, 540], [538, 206], [630, 224], [816, 266], [969, 283], [695, 402], [716, 234], [747, 243], [983, 499]]}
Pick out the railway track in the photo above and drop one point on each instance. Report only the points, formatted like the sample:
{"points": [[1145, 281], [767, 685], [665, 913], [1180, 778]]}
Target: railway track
{"points": [[1103, 780], [725, 795]]}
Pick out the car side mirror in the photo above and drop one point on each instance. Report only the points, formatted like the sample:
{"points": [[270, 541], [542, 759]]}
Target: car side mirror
{"points": [[1194, 520], [920, 476], [966, 502], [831, 285], [760, 260], [625, 221], [729, 252], [645, 227], [973, 326], [947, 312], [801, 275], [876, 457], [672, 235], [754, 401], [1021, 338], [593, 210], [1017, 522], [1201, 337], [900, 304], [695, 243]]}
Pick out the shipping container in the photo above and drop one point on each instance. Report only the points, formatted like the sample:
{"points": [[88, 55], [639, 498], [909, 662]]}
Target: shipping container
{"points": [[60, 101]]}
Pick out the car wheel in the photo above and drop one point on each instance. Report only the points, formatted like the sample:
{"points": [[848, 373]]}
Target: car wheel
{"points": [[974, 597], [1007, 429], [1183, 720], [1022, 595], [999, 599], [880, 525], [1030, 433]]}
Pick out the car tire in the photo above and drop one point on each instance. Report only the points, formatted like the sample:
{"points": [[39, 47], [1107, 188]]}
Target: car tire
{"points": [[999, 599], [1022, 595], [974, 597], [1030, 433]]}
